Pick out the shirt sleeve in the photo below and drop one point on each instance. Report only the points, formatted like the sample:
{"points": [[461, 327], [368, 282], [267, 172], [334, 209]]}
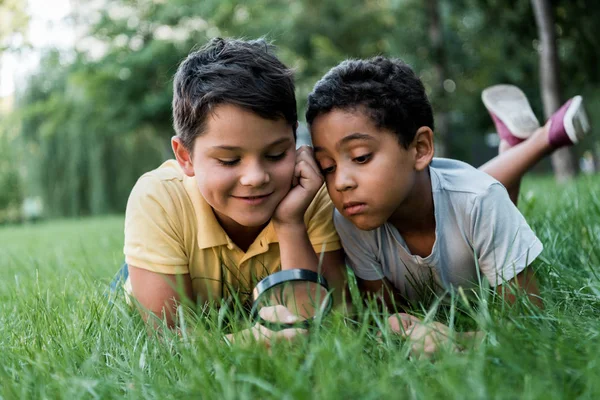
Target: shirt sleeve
{"points": [[503, 242], [360, 249], [153, 238], [319, 223]]}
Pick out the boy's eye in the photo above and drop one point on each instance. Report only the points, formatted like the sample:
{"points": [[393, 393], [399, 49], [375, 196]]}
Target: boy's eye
{"points": [[276, 157], [362, 159], [328, 170], [228, 163]]}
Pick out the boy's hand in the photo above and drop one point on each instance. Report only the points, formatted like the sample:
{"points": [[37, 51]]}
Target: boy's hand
{"points": [[261, 334], [307, 182], [426, 338], [401, 322]]}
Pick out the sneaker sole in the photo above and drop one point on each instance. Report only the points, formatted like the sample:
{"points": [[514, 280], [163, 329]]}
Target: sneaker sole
{"points": [[576, 121], [510, 104]]}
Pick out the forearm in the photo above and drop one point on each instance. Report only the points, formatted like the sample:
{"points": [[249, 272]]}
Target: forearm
{"points": [[295, 247], [386, 295], [158, 295], [524, 283]]}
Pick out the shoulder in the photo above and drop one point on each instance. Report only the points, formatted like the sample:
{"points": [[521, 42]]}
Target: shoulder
{"points": [[163, 188], [160, 182], [495, 196], [458, 178]]}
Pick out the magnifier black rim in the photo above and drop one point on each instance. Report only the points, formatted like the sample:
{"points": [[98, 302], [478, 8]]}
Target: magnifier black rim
{"points": [[288, 275]]}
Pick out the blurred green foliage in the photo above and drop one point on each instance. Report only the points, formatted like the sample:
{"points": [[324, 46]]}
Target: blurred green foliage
{"points": [[89, 126]]}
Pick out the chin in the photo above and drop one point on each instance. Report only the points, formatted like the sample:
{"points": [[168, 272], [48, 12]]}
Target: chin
{"points": [[365, 223], [255, 221]]}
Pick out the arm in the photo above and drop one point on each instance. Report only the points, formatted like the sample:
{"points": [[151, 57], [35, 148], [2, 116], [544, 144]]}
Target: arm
{"points": [[383, 291], [296, 248], [524, 282], [297, 252], [288, 219], [159, 294], [333, 268], [427, 338]]}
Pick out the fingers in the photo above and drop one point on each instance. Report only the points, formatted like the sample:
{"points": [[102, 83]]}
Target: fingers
{"points": [[305, 153], [267, 337], [429, 339], [402, 323], [424, 341], [289, 334], [278, 314], [306, 167]]}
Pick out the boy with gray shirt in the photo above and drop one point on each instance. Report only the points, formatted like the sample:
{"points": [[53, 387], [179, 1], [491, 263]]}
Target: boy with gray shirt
{"points": [[415, 224]]}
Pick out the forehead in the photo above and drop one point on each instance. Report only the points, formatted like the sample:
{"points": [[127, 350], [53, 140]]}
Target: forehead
{"points": [[337, 127], [355, 118], [230, 125]]}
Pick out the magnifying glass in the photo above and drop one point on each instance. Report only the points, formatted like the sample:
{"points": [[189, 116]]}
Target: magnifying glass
{"points": [[299, 293]]}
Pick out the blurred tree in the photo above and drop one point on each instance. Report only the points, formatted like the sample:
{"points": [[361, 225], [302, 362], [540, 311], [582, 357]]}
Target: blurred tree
{"points": [[13, 24], [438, 60], [94, 121], [562, 159], [11, 193], [13, 21]]}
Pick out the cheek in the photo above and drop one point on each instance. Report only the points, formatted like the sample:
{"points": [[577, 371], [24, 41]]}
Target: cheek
{"points": [[283, 172], [215, 182]]}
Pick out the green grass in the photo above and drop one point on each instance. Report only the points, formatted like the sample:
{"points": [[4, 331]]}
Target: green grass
{"points": [[60, 337]]}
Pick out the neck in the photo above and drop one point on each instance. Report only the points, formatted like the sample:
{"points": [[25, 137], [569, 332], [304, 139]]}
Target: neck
{"points": [[417, 213], [242, 236]]}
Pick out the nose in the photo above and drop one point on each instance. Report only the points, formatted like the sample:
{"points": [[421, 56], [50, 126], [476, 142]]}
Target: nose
{"points": [[255, 175], [343, 181]]}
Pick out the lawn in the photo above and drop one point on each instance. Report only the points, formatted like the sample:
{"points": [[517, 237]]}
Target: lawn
{"points": [[61, 338]]}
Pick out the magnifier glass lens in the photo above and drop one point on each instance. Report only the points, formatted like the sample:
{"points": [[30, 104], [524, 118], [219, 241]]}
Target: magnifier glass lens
{"points": [[303, 299]]}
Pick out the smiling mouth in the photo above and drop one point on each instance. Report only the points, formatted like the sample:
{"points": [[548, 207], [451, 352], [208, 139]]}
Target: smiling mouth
{"points": [[262, 196], [253, 200]]}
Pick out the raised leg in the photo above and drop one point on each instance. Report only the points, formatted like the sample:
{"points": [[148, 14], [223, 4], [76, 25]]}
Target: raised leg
{"points": [[512, 162]]}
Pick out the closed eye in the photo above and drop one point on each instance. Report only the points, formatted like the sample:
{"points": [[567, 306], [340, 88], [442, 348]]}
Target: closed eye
{"points": [[363, 159], [228, 163], [276, 157]]}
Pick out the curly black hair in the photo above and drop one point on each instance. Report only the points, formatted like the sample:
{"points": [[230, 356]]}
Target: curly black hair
{"points": [[386, 90]]}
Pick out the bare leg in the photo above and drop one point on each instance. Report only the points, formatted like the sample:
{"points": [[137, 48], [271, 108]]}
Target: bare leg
{"points": [[514, 189], [512, 163]]}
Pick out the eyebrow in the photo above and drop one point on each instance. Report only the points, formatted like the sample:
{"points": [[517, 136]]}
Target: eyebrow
{"points": [[349, 138], [236, 148]]}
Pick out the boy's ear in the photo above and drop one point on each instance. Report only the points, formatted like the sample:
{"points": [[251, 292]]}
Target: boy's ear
{"points": [[423, 143], [183, 156]]}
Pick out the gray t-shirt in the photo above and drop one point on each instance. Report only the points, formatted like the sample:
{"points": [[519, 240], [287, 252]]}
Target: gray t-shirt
{"points": [[477, 225]]}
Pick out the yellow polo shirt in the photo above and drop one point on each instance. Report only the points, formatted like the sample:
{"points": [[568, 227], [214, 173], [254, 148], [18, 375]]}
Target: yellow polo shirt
{"points": [[171, 229]]}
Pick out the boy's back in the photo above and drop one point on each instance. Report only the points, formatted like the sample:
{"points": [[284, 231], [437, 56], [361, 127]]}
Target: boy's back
{"points": [[476, 224]]}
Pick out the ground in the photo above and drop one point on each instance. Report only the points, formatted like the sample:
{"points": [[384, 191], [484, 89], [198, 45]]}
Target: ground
{"points": [[61, 337]]}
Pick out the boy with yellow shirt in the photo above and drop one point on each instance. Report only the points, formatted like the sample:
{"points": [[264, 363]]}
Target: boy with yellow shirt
{"points": [[239, 201]]}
